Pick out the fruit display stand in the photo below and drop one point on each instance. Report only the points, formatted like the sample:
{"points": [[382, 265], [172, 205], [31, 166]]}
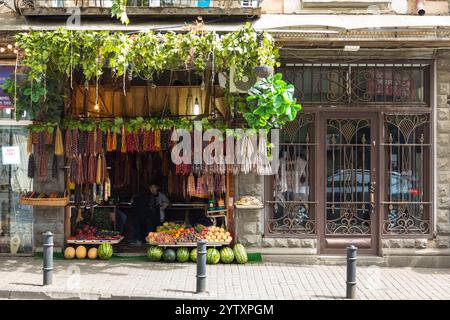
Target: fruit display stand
{"points": [[71, 209], [95, 242], [188, 237]]}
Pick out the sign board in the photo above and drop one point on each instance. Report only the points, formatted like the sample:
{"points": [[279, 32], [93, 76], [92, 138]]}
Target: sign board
{"points": [[5, 73], [11, 155]]}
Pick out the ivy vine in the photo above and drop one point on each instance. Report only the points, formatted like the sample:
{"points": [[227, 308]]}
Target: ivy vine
{"points": [[145, 53]]}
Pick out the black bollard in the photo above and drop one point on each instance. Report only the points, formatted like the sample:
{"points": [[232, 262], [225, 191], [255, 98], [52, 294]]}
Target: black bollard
{"points": [[201, 266], [48, 258], [351, 272]]}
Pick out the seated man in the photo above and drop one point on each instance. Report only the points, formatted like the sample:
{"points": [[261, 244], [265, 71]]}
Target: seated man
{"points": [[160, 202]]}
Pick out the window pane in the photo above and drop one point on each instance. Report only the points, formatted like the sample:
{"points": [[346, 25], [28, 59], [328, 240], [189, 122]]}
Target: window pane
{"points": [[359, 83], [407, 162], [15, 220], [292, 207]]}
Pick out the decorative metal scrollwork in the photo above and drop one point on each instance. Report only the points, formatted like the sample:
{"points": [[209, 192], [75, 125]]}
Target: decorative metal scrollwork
{"points": [[358, 83], [349, 221], [294, 219], [407, 124], [406, 219]]}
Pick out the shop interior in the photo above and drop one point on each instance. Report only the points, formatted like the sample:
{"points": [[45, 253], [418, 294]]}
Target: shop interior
{"points": [[197, 194]]}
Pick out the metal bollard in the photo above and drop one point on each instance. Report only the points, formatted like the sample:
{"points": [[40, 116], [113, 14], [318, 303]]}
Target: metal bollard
{"points": [[351, 272], [48, 258], [201, 266]]}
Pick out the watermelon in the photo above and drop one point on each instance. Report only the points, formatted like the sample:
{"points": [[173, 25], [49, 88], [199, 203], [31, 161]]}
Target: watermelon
{"points": [[182, 255], [169, 255], [226, 255], [105, 251], [155, 253], [240, 254], [193, 255], [212, 256]]}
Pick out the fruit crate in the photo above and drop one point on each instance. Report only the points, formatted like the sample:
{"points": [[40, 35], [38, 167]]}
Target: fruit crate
{"points": [[48, 202], [116, 241]]}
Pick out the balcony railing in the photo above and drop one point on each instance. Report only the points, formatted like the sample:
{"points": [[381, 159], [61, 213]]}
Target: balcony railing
{"points": [[142, 7]]}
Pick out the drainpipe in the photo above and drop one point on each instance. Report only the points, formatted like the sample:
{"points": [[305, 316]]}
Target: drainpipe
{"points": [[420, 6]]}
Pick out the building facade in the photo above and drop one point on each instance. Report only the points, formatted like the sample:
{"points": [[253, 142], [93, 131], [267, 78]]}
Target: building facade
{"points": [[366, 163]]}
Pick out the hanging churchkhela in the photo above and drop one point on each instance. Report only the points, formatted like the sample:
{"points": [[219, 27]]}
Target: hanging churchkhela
{"points": [[101, 169], [42, 162], [79, 170], [59, 147], [165, 164], [31, 162], [107, 191], [157, 140], [55, 167], [123, 143], [92, 169], [31, 166], [100, 138], [191, 185], [146, 140], [151, 141], [74, 143]]}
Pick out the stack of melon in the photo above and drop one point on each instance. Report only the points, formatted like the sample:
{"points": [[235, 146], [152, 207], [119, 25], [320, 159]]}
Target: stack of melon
{"points": [[213, 256], [103, 252]]}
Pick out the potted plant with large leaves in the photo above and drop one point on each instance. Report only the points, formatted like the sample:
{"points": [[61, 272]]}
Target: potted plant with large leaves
{"points": [[271, 103]]}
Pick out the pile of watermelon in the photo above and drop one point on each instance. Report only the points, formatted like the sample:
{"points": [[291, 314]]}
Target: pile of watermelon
{"points": [[226, 255]]}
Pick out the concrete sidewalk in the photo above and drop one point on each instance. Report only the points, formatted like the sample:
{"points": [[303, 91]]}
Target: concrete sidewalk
{"points": [[21, 278]]}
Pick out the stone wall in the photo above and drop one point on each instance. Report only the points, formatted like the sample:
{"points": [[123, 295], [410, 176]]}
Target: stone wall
{"points": [[49, 218], [249, 222], [443, 149]]}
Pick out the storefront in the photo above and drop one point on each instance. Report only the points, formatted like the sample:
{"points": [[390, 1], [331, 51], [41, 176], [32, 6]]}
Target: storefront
{"points": [[358, 165], [359, 169], [16, 220], [99, 149]]}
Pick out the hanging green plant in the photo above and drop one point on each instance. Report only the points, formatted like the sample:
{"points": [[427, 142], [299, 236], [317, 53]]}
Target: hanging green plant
{"points": [[119, 10], [118, 50], [91, 59], [116, 125], [49, 127], [245, 49], [271, 103], [42, 100], [145, 53], [88, 125]]}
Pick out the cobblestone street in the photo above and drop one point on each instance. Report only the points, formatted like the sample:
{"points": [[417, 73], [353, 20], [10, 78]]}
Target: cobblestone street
{"points": [[22, 278]]}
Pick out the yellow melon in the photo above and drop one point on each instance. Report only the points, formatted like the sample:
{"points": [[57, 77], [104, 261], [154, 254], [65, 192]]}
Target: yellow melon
{"points": [[69, 253], [92, 253], [80, 252]]}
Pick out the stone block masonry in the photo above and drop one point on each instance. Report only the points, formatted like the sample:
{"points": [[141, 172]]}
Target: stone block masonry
{"points": [[49, 218], [443, 149]]}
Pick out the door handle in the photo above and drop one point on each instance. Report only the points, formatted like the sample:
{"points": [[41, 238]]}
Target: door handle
{"points": [[372, 196]]}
